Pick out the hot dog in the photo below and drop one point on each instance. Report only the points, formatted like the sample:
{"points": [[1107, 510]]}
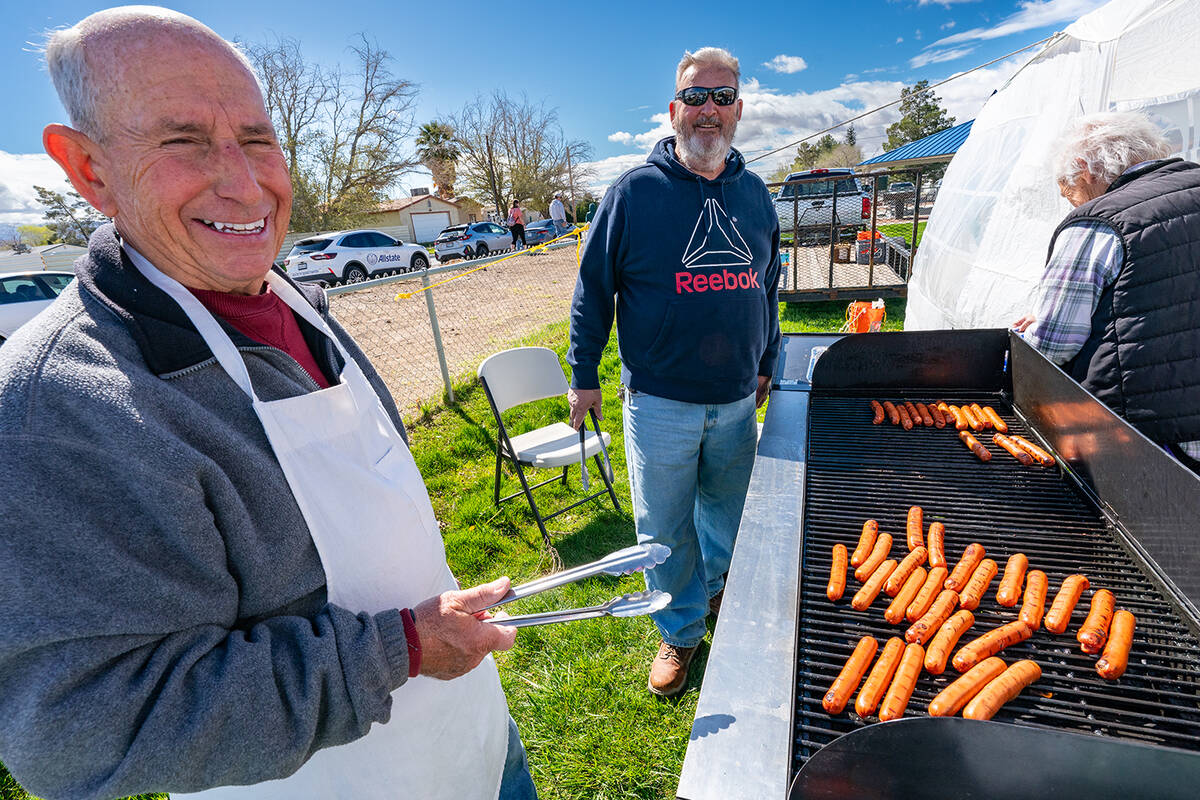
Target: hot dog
{"points": [[879, 554], [944, 640], [916, 527], [1094, 631], [984, 422], [900, 575], [880, 678], [1014, 575], [970, 418], [889, 408], [877, 408], [961, 691], [994, 418], [1001, 689], [1116, 653], [1040, 455], [923, 629], [1059, 615], [990, 643], [937, 544], [975, 446], [960, 422], [929, 592], [926, 416], [866, 541], [851, 675], [837, 574], [978, 583], [870, 590], [905, 680], [966, 565], [939, 419], [1013, 449], [903, 599], [1036, 584], [913, 413], [906, 421]]}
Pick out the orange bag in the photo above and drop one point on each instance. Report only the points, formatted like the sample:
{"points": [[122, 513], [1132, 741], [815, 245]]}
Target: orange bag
{"points": [[863, 316]]}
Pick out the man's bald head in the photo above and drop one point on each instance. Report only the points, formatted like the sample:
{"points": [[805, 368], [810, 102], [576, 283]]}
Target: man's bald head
{"points": [[85, 59]]}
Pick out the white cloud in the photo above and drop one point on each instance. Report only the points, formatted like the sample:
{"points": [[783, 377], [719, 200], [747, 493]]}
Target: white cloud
{"points": [[19, 172], [899, 39], [786, 64], [943, 2], [938, 56], [621, 137], [917, 34], [947, 26], [1032, 14]]}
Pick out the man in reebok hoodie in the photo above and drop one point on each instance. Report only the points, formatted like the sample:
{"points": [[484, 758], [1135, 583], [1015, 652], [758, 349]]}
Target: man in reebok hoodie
{"points": [[685, 250]]}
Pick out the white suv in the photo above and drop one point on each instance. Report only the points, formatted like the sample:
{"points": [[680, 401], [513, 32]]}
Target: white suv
{"points": [[809, 206], [352, 257]]}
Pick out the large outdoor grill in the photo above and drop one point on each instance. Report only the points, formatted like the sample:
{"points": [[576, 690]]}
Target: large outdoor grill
{"points": [[1118, 510]]}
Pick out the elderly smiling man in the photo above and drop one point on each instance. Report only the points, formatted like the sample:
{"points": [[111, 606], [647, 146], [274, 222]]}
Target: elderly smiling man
{"points": [[221, 567]]}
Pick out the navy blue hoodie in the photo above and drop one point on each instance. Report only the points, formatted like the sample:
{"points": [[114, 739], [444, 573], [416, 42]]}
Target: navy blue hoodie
{"points": [[694, 268]]}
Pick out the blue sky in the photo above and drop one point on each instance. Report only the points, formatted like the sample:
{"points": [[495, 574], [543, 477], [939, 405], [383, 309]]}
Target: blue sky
{"points": [[606, 66]]}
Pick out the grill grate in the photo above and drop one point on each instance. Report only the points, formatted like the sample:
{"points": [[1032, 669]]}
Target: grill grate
{"points": [[858, 471]]}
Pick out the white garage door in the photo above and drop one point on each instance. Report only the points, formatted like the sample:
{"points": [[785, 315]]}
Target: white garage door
{"points": [[428, 224]]}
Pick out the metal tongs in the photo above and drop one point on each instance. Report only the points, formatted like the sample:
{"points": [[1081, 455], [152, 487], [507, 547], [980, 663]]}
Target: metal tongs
{"points": [[621, 562]]}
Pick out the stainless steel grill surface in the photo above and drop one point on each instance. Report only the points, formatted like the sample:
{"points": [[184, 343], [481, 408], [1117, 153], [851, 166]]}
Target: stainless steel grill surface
{"points": [[859, 471]]}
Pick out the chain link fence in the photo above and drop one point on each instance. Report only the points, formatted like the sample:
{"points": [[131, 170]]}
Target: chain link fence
{"points": [[425, 340]]}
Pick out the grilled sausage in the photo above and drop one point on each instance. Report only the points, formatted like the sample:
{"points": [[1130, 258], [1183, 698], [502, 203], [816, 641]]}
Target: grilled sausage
{"points": [[870, 590], [866, 541], [994, 418], [893, 414], [903, 599], [984, 422], [1036, 584], [929, 592], [1014, 575], [1116, 653], [1013, 449], [990, 643], [905, 680], [877, 408], [1059, 615], [837, 574], [900, 575], [1001, 689], [961, 691], [974, 445], [1094, 631], [906, 421], [851, 675], [911, 408], [926, 416], [944, 640], [978, 584], [970, 418], [966, 565], [937, 544], [880, 678], [916, 527], [1039, 455], [923, 629], [879, 554], [939, 419], [960, 422]]}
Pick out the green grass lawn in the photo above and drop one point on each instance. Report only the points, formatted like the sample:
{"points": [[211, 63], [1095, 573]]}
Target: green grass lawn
{"points": [[578, 690]]}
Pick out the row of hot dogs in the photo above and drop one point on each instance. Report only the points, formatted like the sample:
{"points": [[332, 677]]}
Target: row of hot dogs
{"points": [[928, 598], [966, 418]]}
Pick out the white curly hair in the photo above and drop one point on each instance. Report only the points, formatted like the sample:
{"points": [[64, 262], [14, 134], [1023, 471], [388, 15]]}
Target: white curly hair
{"points": [[1107, 144]]}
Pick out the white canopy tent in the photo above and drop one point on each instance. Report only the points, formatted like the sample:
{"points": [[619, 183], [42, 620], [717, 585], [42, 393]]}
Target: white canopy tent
{"points": [[984, 248]]}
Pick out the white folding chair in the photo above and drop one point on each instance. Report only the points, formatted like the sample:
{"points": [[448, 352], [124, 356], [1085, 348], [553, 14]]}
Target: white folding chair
{"points": [[522, 375]]}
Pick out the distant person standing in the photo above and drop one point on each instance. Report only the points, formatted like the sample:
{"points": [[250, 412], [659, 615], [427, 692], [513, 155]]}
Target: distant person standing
{"points": [[516, 223], [558, 212]]}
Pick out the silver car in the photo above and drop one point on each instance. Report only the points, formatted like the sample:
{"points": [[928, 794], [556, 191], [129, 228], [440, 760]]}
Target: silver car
{"points": [[24, 294], [474, 240], [352, 257]]}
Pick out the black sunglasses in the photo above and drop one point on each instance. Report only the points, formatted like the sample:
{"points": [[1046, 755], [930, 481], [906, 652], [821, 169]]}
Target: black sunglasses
{"points": [[698, 95]]}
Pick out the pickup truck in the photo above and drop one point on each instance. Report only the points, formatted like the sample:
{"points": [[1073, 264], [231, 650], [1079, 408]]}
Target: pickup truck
{"points": [[809, 205]]}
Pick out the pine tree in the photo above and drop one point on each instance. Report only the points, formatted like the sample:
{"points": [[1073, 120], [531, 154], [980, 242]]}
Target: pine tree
{"points": [[70, 218], [921, 115]]}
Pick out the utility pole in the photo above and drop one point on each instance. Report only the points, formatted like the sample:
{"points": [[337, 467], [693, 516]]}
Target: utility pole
{"points": [[571, 181]]}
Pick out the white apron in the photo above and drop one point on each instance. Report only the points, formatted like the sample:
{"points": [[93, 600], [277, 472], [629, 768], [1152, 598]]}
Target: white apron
{"points": [[370, 517]]}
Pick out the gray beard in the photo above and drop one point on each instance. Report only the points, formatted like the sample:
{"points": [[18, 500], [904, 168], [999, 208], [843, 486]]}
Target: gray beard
{"points": [[699, 157]]}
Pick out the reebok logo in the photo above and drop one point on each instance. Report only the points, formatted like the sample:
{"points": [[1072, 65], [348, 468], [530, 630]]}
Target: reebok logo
{"points": [[722, 281]]}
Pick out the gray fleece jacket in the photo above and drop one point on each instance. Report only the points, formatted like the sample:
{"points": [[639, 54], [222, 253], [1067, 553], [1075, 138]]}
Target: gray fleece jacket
{"points": [[165, 622]]}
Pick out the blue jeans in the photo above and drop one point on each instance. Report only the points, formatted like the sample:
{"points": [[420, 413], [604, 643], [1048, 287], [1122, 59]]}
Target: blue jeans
{"points": [[516, 783], [689, 466]]}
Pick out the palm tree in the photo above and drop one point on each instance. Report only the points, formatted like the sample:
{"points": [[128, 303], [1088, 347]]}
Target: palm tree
{"points": [[438, 151]]}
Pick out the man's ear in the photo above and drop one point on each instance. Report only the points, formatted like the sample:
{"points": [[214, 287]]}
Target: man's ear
{"points": [[76, 153], [671, 110]]}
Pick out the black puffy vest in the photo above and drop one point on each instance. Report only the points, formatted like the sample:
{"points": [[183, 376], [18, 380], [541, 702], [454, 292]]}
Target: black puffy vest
{"points": [[1143, 355]]}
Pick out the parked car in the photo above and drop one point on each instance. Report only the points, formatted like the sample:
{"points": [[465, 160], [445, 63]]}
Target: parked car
{"points": [[474, 240], [352, 257], [24, 294], [809, 205], [544, 230]]}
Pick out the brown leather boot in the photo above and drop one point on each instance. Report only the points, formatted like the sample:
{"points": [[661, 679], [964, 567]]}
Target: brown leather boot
{"points": [[714, 604], [668, 673]]}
